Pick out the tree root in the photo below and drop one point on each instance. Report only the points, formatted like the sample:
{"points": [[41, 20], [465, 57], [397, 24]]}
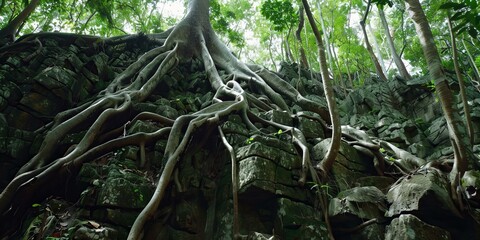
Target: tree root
{"points": [[191, 38], [236, 228]]}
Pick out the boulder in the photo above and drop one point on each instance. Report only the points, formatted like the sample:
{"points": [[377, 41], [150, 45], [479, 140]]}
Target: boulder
{"points": [[425, 191], [407, 226]]}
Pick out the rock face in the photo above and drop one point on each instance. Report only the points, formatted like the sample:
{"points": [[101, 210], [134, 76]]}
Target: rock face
{"points": [[408, 226], [103, 199]]}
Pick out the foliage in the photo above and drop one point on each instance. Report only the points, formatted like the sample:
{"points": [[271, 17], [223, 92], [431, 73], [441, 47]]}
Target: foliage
{"points": [[280, 12], [382, 3], [96, 17], [239, 20], [466, 14], [222, 15], [104, 9]]}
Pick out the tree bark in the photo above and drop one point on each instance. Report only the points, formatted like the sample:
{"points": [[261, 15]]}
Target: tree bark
{"points": [[329, 159], [472, 62], [398, 61], [378, 68], [376, 46], [298, 36], [7, 34], [464, 158], [288, 51], [325, 37], [466, 109], [326, 164]]}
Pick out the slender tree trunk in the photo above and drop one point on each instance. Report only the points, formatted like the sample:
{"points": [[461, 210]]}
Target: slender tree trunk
{"points": [[327, 163], [398, 61], [270, 53], [288, 50], [7, 34], [340, 77], [466, 109], [325, 37], [472, 62], [378, 68], [376, 46], [298, 36], [329, 49], [464, 158], [329, 159]]}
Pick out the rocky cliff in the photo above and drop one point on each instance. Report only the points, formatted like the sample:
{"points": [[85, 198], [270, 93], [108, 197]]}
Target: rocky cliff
{"points": [[388, 182]]}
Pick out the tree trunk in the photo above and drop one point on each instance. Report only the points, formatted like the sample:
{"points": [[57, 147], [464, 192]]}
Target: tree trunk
{"points": [[376, 46], [329, 159], [7, 34], [398, 61], [464, 158], [325, 37], [378, 68], [288, 50], [466, 109], [298, 36], [472, 62]]}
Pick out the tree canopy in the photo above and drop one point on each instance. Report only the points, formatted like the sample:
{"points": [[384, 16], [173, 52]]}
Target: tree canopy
{"points": [[247, 24]]}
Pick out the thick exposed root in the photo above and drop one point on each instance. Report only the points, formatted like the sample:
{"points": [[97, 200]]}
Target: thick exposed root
{"points": [[188, 40]]}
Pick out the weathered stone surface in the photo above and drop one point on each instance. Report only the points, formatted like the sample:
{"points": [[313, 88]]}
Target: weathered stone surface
{"points": [[348, 167], [123, 189], [10, 93], [15, 142], [294, 193], [59, 81], [282, 158], [121, 217], [359, 202], [437, 133], [407, 226], [311, 128], [256, 175], [344, 178], [370, 232], [348, 156], [143, 126], [300, 221], [421, 148], [383, 183], [190, 216], [281, 117], [421, 191], [101, 233]]}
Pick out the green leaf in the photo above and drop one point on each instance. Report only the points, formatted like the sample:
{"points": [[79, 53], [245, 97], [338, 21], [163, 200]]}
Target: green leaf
{"points": [[472, 32], [280, 13], [35, 205], [382, 3], [452, 5], [458, 15]]}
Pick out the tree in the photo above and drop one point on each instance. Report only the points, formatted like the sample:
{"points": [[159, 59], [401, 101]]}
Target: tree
{"points": [[8, 33], [298, 36], [374, 59], [466, 13], [464, 158], [192, 38], [466, 109], [398, 61], [329, 159]]}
